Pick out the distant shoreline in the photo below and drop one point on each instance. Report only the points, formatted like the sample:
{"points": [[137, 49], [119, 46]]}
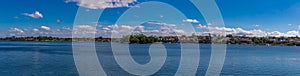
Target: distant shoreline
{"points": [[144, 44], [142, 39]]}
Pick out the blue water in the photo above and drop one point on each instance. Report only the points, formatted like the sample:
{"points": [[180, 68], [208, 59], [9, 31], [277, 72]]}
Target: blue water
{"points": [[21, 58]]}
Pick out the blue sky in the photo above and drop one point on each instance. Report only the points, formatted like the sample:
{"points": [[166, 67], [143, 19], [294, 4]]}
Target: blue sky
{"points": [[266, 15], [273, 14]]}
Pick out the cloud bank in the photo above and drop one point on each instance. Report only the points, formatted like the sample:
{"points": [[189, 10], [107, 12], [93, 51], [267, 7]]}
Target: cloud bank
{"points": [[147, 28], [251, 33]]}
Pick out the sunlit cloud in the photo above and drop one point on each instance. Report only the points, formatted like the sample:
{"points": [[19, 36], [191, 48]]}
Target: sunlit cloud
{"points": [[45, 28], [102, 4], [17, 30], [36, 14], [191, 21], [35, 30]]}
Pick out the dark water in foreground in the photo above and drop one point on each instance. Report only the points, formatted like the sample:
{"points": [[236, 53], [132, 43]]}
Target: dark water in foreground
{"points": [[55, 59]]}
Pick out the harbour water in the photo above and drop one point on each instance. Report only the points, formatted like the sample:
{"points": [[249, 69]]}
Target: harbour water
{"points": [[24, 58]]}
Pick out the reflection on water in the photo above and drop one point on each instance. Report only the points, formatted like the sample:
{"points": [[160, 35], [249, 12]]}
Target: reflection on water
{"points": [[55, 58]]}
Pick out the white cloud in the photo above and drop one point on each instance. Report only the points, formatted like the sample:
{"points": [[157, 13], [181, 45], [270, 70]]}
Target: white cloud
{"points": [[102, 4], [191, 20], [105, 29], [61, 32], [84, 27], [115, 26], [292, 33], [17, 30], [201, 26], [124, 27], [35, 30], [36, 14], [275, 34], [84, 30], [147, 28], [172, 25], [258, 33], [251, 33], [180, 32], [163, 29], [45, 28], [141, 28], [67, 28]]}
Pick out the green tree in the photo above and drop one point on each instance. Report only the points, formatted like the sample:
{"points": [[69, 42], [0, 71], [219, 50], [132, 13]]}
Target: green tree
{"points": [[134, 40]]}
